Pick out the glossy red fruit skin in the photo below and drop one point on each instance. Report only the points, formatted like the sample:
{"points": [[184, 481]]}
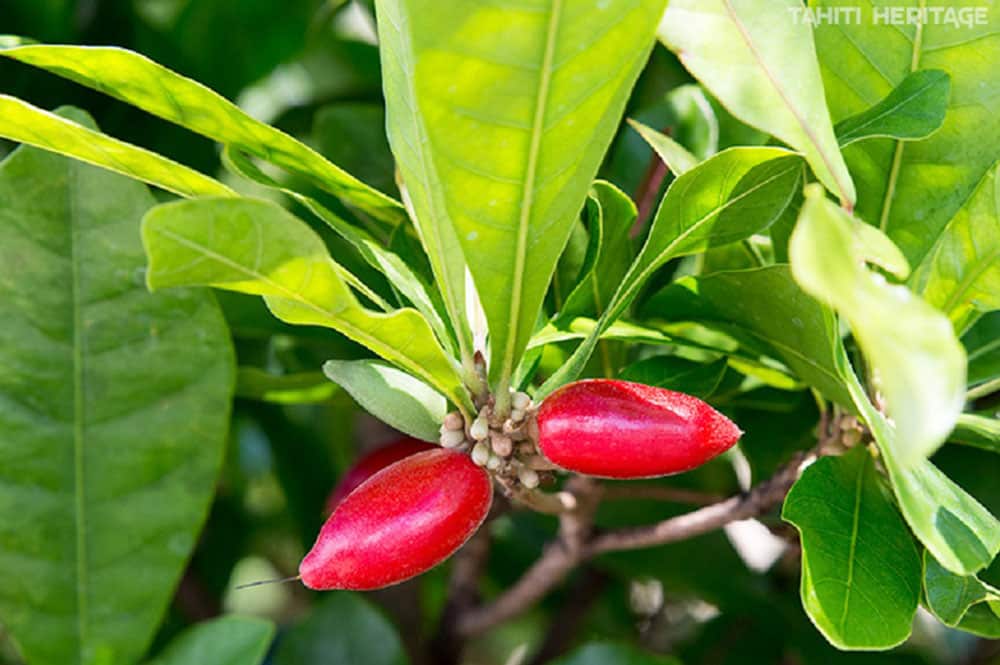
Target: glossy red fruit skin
{"points": [[399, 523], [372, 463], [619, 429]]}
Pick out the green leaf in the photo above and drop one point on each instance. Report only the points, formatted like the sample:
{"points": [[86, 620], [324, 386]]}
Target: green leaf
{"points": [[114, 408], [961, 274], [139, 81], [674, 155], [394, 397], [726, 198], [761, 64], [860, 569], [228, 640], [606, 653], [257, 247], [910, 189], [957, 530], [673, 373], [344, 628], [300, 388], [982, 343], [20, 121], [962, 602], [767, 311], [913, 352], [499, 116], [977, 431], [914, 109]]}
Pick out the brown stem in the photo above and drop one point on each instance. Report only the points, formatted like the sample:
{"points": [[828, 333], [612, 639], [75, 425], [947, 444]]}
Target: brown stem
{"points": [[585, 591], [463, 593], [660, 493]]}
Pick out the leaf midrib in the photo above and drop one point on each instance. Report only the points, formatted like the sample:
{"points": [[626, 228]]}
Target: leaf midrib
{"points": [[528, 193], [853, 546]]}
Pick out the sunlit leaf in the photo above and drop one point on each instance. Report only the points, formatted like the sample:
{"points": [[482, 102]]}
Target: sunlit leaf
{"points": [[913, 110]]}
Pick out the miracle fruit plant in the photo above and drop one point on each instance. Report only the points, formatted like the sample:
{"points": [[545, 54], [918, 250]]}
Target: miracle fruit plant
{"points": [[847, 243]]}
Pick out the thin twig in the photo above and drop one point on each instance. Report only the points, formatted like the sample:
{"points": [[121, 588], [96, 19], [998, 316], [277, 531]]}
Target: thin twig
{"points": [[660, 493]]}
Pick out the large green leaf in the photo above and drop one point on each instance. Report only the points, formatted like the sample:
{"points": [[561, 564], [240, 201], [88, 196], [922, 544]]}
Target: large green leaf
{"points": [[20, 121], [674, 373], [729, 197], [257, 247], [963, 602], [114, 407], [761, 63], [860, 569], [955, 528], [913, 110], [392, 396], [910, 189], [344, 628], [915, 357], [767, 311], [499, 115], [135, 79], [228, 640], [961, 274]]}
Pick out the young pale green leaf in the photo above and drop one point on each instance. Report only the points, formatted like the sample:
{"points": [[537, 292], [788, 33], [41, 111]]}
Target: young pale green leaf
{"points": [[911, 189], [767, 311], [674, 155], [139, 81], [257, 247], [674, 373], [299, 388], [392, 396], [977, 431], [961, 274], [228, 640], [390, 264], [499, 116], [761, 63], [963, 602], [20, 121], [344, 628], [915, 357], [860, 569], [114, 408], [914, 109], [605, 653], [729, 197], [955, 528]]}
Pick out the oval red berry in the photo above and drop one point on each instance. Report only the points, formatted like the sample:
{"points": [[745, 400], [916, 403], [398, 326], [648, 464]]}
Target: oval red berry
{"points": [[399, 523], [618, 429], [372, 463]]}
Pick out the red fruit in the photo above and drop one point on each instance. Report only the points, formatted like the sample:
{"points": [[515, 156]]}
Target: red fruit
{"points": [[618, 429], [372, 463], [401, 522]]}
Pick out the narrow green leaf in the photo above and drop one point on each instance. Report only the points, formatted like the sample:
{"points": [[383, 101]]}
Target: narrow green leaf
{"points": [[768, 313], [910, 189], [484, 102], [961, 274], [761, 63], [977, 431], [962, 602], [343, 628], [957, 530], [300, 388], [228, 640], [139, 81], [673, 373], [257, 247], [392, 396], [905, 340], [729, 197], [860, 569], [114, 408], [674, 155], [914, 109], [22, 122]]}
